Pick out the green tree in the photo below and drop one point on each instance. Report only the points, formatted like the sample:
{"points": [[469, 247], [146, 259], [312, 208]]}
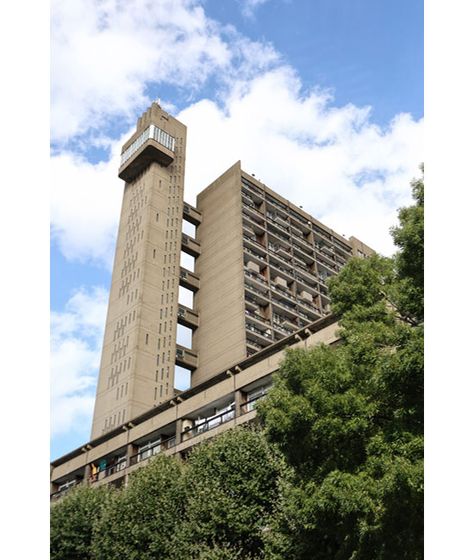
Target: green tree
{"points": [[72, 520], [231, 492], [349, 418], [140, 522], [409, 237]]}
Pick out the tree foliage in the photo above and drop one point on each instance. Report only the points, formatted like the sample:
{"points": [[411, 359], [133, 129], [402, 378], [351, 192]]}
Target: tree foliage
{"points": [[349, 418], [231, 487], [72, 522], [139, 522], [215, 506]]}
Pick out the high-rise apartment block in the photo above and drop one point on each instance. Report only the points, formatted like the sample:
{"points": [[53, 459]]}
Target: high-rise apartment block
{"points": [[259, 285], [263, 269]]}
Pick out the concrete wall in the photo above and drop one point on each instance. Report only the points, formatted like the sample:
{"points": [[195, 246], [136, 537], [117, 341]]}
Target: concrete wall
{"points": [[220, 338]]}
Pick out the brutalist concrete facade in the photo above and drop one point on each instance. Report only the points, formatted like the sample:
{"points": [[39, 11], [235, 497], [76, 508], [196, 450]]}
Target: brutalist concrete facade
{"points": [[259, 286]]}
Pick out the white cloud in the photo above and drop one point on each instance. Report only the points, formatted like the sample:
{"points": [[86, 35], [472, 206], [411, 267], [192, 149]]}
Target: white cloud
{"points": [[85, 206], [105, 53], [333, 161], [249, 6], [76, 339], [341, 168]]}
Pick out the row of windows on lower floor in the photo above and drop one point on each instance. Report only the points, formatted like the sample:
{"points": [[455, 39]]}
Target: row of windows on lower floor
{"points": [[106, 467]]}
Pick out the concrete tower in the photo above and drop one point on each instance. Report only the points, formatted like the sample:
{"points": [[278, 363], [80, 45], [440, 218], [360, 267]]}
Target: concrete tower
{"points": [[139, 349]]}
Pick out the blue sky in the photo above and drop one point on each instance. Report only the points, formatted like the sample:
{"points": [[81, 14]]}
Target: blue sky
{"points": [[336, 87]]}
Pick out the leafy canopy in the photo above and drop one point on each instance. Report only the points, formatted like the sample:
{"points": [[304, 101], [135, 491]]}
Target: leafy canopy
{"points": [[72, 521], [138, 523], [231, 488], [349, 418]]}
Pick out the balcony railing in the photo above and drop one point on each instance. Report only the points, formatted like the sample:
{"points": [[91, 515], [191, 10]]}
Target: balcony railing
{"points": [[253, 328], [256, 344], [254, 253], [257, 317], [252, 188], [120, 465], [283, 255], [281, 320], [254, 240], [60, 493], [347, 252], [282, 328], [284, 291], [302, 240], [330, 266], [295, 216], [313, 308], [277, 204], [287, 271], [153, 449], [253, 221], [256, 277], [274, 223], [255, 289], [254, 274], [306, 250], [321, 232], [285, 305], [299, 261], [305, 315], [208, 424], [251, 403], [312, 284], [250, 299], [286, 239], [246, 199], [304, 270]]}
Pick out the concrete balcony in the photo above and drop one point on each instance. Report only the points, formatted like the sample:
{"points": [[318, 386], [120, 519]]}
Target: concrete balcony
{"points": [[303, 255], [188, 317], [261, 334], [189, 280], [61, 490], [191, 214], [185, 357], [190, 245]]}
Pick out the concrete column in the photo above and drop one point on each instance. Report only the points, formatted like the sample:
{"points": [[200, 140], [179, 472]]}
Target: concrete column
{"points": [[179, 429], [239, 398], [131, 450], [87, 474]]}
